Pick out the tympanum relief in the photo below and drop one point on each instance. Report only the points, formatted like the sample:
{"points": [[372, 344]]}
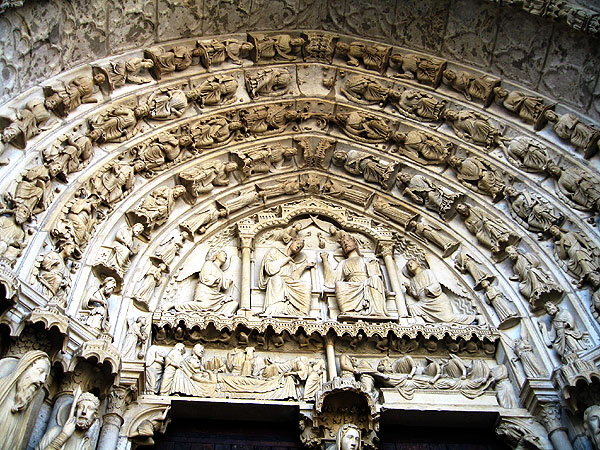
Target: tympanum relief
{"points": [[242, 285]]}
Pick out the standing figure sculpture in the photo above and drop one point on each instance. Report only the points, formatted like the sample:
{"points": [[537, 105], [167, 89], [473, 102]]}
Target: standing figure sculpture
{"points": [[18, 392], [563, 335], [72, 435], [98, 305], [280, 276], [358, 282]]}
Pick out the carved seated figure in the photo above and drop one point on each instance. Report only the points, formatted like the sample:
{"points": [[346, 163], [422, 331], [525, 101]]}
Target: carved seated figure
{"points": [[582, 136], [432, 304], [79, 90], [70, 154], [425, 70], [365, 90], [528, 154], [430, 194], [471, 86], [154, 210], [474, 127], [270, 82], [371, 168], [424, 146], [214, 131], [419, 105], [157, 154], [580, 187], [215, 52], [366, 127], [530, 109], [210, 293], [478, 175], [280, 47], [263, 159], [217, 90], [286, 294], [358, 282], [116, 124], [373, 57], [580, 255]]}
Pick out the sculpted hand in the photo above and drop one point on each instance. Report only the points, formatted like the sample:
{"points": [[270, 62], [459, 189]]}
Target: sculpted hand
{"points": [[69, 426], [324, 255]]}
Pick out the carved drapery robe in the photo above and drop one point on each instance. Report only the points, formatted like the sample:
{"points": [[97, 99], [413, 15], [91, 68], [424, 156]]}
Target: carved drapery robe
{"points": [[433, 305], [285, 293], [359, 287]]}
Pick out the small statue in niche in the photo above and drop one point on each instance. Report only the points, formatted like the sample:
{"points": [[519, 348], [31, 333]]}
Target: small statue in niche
{"points": [[434, 235], [173, 362], [580, 187], [28, 123], [505, 393], [465, 263], [270, 82], [71, 153], [216, 52], [365, 90], [80, 90], [426, 192], [32, 195], [155, 361], [115, 260], [135, 339], [97, 305], [432, 304], [279, 47], [116, 123], [119, 73], [271, 119], [363, 126], [529, 108], [471, 86], [424, 70], [315, 379], [168, 61], [210, 293], [151, 279], [80, 217], [202, 179], [165, 104], [52, 274], [570, 128], [478, 175], [289, 186], [263, 159], [489, 231], [373, 57], [157, 154], [112, 182], [532, 366], [12, 239], [200, 222], [424, 146], [167, 251], [215, 91], [562, 335], [286, 294], [504, 307], [475, 128], [579, 254], [372, 169], [74, 432], [213, 131], [155, 208], [358, 282], [393, 211], [528, 154], [419, 105], [532, 210]]}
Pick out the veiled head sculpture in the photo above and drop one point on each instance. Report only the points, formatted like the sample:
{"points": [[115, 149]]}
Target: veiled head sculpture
{"points": [[348, 437]]}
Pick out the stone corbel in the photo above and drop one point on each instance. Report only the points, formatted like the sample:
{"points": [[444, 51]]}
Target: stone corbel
{"points": [[523, 431], [550, 417], [100, 349], [148, 419], [50, 316]]}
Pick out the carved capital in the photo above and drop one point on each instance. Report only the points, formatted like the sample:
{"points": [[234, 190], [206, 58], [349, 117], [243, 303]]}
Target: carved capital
{"points": [[118, 399], [549, 416], [385, 248]]}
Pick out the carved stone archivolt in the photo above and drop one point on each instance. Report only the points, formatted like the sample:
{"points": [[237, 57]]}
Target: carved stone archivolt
{"points": [[298, 217]]}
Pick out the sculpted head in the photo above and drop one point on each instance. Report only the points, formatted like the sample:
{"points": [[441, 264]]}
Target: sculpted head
{"points": [[296, 246], [348, 244], [413, 266], [348, 437], [198, 350], [108, 285], [31, 380], [86, 410], [591, 422], [463, 209], [550, 308]]}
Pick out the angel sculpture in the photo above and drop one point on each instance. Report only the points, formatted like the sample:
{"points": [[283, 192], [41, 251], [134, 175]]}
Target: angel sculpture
{"points": [[432, 304]]}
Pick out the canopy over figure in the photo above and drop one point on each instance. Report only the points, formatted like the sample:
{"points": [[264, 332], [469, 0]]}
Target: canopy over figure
{"points": [[358, 283], [280, 272]]}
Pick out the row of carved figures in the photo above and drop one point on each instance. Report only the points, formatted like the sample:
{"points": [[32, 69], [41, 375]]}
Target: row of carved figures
{"points": [[314, 46]]}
